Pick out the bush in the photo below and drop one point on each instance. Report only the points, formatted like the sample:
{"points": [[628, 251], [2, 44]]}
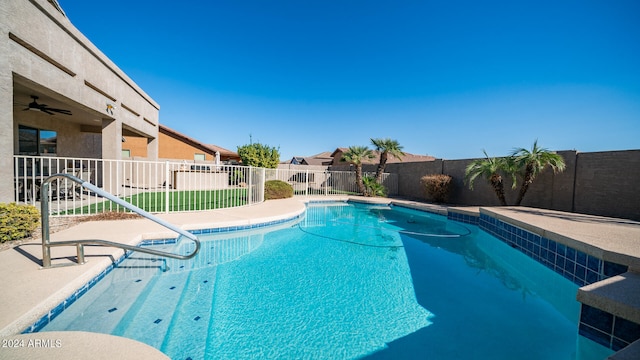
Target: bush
{"points": [[277, 189], [17, 221], [437, 187], [259, 155], [372, 188]]}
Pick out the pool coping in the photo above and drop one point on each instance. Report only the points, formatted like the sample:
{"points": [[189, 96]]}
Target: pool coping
{"points": [[252, 216], [76, 345]]}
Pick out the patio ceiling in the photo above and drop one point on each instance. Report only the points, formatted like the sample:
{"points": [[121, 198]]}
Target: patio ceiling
{"points": [[23, 90]]}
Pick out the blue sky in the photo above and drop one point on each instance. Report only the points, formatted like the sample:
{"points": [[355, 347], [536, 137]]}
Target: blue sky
{"points": [[444, 78]]}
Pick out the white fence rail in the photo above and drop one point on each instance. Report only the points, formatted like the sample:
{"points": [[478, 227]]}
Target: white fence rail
{"points": [[155, 186], [166, 186], [317, 182]]}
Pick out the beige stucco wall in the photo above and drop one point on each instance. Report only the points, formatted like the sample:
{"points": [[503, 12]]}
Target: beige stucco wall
{"points": [[41, 51]]}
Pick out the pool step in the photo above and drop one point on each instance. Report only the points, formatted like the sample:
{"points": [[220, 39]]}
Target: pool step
{"points": [[190, 323], [148, 319], [92, 313]]}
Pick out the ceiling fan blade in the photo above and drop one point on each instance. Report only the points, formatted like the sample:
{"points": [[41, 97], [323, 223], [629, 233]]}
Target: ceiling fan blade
{"points": [[61, 111], [43, 107]]}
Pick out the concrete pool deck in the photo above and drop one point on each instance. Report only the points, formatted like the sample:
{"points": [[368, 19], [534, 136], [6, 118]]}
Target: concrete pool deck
{"points": [[29, 292]]}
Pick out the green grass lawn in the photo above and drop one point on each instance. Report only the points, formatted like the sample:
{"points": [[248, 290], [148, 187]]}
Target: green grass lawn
{"points": [[178, 201]]}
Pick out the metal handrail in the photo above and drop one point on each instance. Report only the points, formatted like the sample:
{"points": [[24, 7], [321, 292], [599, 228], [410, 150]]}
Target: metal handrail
{"points": [[47, 245]]}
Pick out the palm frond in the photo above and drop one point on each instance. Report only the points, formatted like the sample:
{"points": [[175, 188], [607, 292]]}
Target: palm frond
{"points": [[389, 146], [357, 154]]}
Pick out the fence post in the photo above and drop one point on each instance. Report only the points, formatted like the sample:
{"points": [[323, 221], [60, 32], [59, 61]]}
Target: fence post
{"points": [[167, 174], [264, 180], [250, 185], [326, 183]]}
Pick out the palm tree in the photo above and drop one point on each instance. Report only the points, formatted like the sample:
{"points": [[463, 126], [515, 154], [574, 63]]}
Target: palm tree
{"points": [[533, 162], [490, 168], [386, 147], [356, 155]]}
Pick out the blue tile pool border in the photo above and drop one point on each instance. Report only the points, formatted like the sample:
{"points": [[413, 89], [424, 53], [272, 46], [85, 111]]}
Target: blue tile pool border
{"points": [[582, 269], [58, 309], [576, 266], [425, 210], [463, 218], [607, 329]]}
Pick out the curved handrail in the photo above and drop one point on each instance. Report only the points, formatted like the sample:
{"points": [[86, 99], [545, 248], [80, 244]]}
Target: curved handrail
{"points": [[46, 244]]}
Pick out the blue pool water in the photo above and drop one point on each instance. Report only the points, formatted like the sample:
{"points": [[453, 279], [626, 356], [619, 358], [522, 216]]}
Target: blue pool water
{"points": [[346, 281]]}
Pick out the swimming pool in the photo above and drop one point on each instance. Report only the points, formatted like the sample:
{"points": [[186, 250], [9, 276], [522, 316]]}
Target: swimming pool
{"points": [[346, 281]]}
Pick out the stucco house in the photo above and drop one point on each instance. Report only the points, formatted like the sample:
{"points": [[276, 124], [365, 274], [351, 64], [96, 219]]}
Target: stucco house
{"points": [[334, 159], [90, 103], [62, 99], [323, 158], [173, 145]]}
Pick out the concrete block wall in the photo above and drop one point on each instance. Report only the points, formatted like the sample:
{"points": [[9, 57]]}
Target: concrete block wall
{"points": [[608, 183], [598, 183]]}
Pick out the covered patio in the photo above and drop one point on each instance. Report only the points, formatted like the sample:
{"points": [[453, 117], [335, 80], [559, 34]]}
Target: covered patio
{"points": [[62, 98]]}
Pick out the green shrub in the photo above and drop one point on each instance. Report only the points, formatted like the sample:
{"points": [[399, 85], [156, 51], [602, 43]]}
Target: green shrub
{"points": [[372, 188], [259, 155], [17, 221], [277, 189], [437, 187]]}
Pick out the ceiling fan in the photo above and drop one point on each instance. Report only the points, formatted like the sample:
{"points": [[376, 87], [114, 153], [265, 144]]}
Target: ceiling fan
{"points": [[44, 108]]}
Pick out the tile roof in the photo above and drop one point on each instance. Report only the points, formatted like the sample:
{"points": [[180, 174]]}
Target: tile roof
{"points": [[328, 157], [196, 143], [408, 157]]}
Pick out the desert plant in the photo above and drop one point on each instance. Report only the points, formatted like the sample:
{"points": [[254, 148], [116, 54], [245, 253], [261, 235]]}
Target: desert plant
{"points": [[492, 169], [372, 187], [532, 162], [386, 147], [17, 221], [356, 155], [437, 186], [277, 189]]}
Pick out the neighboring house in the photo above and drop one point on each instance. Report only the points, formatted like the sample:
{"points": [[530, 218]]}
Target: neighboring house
{"points": [[173, 145], [91, 103], [334, 159], [337, 158], [296, 160], [314, 160]]}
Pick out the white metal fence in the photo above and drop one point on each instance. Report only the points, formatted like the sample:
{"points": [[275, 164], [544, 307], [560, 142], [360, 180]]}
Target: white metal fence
{"points": [[318, 182], [166, 186], [155, 186]]}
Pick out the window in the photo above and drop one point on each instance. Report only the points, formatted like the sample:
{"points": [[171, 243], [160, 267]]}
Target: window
{"points": [[198, 157], [126, 153], [48, 142], [36, 141], [27, 141]]}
